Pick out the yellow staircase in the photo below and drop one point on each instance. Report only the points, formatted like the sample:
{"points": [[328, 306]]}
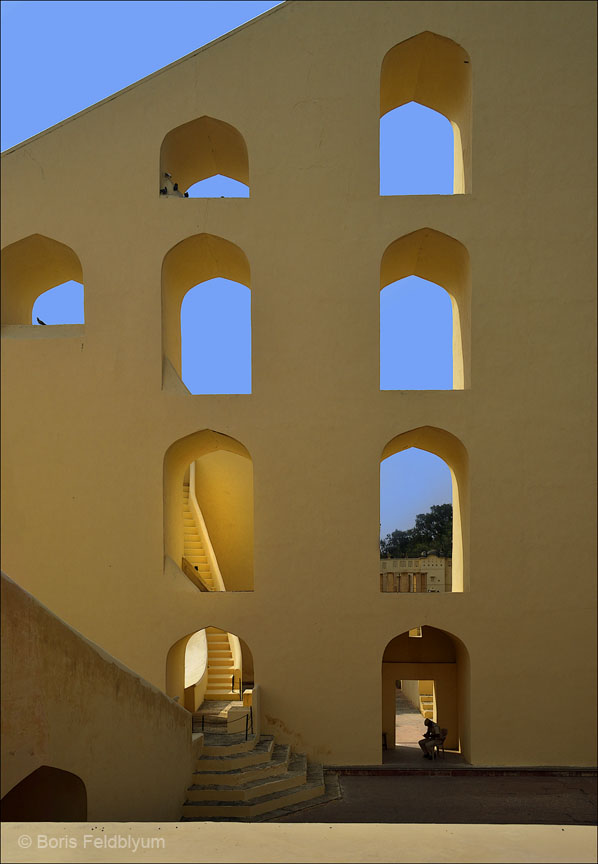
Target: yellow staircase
{"points": [[252, 779], [193, 549], [223, 683], [223, 678]]}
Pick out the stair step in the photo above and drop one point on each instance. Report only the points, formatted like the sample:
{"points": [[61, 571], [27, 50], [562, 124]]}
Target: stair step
{"points": [[314, 787], [256, 787], [241, 776], [260, 753]]}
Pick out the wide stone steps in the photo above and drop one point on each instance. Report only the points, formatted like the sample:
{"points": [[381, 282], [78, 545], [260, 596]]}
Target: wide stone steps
{"points": [[293, 773], [306, 788], [240, 780], [261, 752], [242, 776]]}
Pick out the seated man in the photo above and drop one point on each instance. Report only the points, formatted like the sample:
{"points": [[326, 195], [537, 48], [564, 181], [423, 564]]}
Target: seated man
{"points": [[432, 736]]}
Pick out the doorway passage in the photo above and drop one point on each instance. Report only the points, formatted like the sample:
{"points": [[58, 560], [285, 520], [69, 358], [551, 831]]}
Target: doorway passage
{"points": [[414, 702]]}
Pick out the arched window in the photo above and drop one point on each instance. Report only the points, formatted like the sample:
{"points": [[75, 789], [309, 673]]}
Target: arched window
{"points": [[41, 278], [216, 338], [416, 342], [428, 554], [206, 309], [416, 524], [205, 158], [218, 186], [416, 152], [63, 304], [435, 73], [424, 313]]}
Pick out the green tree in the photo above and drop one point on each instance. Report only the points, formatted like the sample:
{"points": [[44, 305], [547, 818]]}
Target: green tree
{"points": [[432, 531]]}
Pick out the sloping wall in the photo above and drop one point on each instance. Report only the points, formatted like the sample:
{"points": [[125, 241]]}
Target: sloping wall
{"points": [[69, 705]]}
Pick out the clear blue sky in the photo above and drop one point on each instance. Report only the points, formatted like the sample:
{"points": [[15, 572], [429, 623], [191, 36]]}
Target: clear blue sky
{"points": [[60, 57]]}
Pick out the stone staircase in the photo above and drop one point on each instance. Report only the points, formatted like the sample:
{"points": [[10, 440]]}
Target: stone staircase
{"points": [[239, 779], [193, 549], [221, 669]]}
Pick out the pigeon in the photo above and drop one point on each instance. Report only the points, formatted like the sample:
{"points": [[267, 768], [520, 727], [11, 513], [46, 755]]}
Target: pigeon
{"points": [[39, 321]]}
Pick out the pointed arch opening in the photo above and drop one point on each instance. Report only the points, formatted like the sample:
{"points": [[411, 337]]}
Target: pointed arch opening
{"points": [[208, 511], [46, 795], [443, 263], [425, 678], [41, 279], [206, 315], [208, 666], [404, 574], [195, 153], [434, 72], [417, 152]]}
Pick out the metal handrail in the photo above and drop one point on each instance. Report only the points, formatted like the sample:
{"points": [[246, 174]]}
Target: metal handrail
{"points": [[248, 722]]}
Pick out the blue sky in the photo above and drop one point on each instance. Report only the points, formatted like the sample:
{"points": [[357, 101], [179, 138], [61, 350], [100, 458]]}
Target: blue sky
{"points": [[54, 64]]}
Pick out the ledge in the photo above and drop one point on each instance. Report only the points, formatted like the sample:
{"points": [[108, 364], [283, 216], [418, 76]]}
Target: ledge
{"points": [[37, 331]]}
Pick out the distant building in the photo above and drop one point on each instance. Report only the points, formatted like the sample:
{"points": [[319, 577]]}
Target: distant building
{"points": [[427, 574]]}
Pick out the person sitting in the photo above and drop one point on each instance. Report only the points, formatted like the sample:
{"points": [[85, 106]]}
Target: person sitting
{"points": [[432, 736]]}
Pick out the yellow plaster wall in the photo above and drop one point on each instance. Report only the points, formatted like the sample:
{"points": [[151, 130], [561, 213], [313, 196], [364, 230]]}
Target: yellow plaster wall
{"points": [[92, 466], [68, 705], [224, 489]]}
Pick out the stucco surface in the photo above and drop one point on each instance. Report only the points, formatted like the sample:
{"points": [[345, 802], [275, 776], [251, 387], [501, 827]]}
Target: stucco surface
{"points": [[66, 704], [87, 419]]}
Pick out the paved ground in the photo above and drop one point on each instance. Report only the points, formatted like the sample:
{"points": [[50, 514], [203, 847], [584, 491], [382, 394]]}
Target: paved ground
{"points": [[459, 800], [471, 799]]}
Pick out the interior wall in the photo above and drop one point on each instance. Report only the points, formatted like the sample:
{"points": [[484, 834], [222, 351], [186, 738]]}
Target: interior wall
{"points": [[411, 692], [224, 490], [444, 676]]}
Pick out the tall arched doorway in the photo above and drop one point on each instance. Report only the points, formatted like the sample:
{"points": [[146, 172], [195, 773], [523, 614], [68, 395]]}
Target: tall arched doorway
{"points": [[440, 661]]}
